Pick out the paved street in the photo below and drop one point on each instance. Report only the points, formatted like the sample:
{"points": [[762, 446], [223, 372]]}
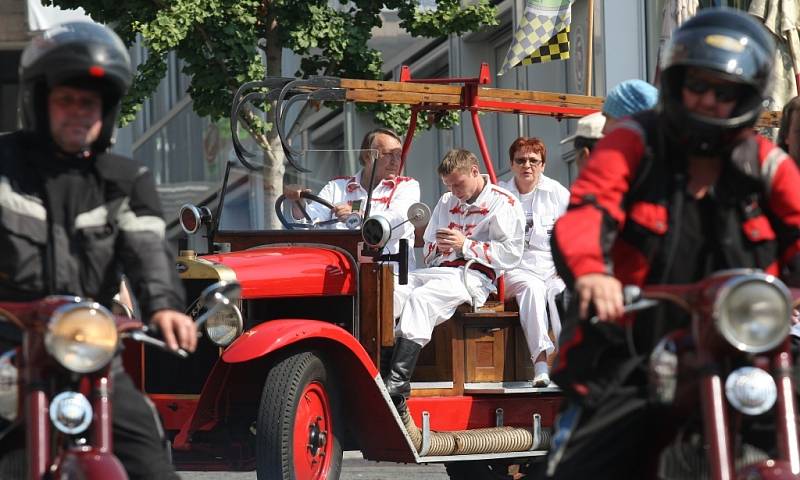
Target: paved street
{"points": [[353, 468]]}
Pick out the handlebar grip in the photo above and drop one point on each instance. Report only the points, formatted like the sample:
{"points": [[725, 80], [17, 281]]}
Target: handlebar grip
{"points": [[404, 261]]}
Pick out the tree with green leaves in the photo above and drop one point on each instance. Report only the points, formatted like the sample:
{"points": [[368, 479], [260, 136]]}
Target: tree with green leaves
{"points": [[224, 43]]}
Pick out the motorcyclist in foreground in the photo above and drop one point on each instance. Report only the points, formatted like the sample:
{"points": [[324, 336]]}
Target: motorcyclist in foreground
{"points": [[668, 196], [74, 217]]}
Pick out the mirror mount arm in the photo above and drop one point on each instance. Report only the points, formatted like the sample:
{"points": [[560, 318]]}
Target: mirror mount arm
{"points": [[401, 257]]}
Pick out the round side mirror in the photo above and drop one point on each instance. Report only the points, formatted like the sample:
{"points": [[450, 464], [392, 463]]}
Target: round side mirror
{"points": [[376, 231], [419, 214]]}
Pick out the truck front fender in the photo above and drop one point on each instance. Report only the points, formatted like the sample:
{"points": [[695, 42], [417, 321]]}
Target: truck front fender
{"points": [[274, 335], [369, 413]]}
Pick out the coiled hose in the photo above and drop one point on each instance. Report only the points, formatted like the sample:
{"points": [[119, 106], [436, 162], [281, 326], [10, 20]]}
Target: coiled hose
{"points": [[479, 440]]}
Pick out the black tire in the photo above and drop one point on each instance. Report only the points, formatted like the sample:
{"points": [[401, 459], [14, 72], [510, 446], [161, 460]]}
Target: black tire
{"points": [[284, 425], [491, 470]]}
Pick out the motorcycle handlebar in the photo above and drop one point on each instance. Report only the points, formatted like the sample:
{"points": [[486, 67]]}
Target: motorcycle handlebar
{"points": [[141, 335]]}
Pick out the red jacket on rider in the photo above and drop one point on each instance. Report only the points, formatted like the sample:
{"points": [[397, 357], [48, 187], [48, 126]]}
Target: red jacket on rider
{"points": [[621, 214]]}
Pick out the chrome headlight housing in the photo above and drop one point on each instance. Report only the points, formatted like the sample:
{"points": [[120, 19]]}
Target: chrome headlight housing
{"points": [[71, 412], [82, 336], [224, 324], [752, 312], [751, 390]]}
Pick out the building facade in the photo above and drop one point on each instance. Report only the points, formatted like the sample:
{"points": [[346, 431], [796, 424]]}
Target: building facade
{"points": [[188, 154]]}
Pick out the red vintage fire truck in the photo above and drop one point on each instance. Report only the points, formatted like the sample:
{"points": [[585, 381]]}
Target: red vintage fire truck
{"points": [[288, 378]]}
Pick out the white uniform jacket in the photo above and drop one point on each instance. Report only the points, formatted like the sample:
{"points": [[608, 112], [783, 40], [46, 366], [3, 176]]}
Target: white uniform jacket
{"points": [[494, 226], [549, 201], [390, 199]]}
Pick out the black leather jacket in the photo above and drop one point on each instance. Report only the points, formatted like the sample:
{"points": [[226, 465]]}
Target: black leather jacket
{"points": [[74, 225]]}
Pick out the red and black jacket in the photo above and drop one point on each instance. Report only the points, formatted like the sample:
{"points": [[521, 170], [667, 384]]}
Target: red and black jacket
{"points": [[618, 220], [622, 220]]}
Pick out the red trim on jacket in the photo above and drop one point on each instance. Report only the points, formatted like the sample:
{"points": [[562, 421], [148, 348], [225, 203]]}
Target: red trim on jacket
{"points": [[578, 239], [600, 187], [610, 170], [784, 196], [773, 269], [511, 199], [758, 229], [652, 216]]}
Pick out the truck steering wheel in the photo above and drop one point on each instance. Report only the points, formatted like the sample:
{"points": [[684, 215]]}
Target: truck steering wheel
{"points": [[310, 225]]}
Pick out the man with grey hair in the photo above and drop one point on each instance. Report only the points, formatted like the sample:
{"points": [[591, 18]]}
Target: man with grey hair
{"points": [[392, 194]]}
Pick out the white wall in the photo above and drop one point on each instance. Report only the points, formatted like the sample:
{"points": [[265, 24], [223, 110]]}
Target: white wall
{"points": [[624, 41]]}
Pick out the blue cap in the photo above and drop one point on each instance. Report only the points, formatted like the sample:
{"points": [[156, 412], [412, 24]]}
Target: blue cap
{"points": [[629, 97]]}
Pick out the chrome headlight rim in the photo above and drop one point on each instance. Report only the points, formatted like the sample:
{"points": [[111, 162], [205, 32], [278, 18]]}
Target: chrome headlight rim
{"points": [[724, 295], [50, 337], [79, 401], [238, 328], [751, 390]]}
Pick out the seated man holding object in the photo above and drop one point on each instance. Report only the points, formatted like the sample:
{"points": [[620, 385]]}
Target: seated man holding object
{"points": [[475, 221]]}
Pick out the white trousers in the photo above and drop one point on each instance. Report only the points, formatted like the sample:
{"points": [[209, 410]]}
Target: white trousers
{"points": [[432, 296], [533, 294]]}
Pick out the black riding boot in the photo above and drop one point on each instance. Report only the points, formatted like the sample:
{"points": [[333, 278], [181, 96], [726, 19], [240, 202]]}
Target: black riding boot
{"points": [[386, 361], [404, 359]]}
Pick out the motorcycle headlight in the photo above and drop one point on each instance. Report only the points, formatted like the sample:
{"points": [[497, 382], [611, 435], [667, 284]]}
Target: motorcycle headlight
{"points": [[753, 311], [82, 337], [224, 325], [71, 412], [751, 390]]}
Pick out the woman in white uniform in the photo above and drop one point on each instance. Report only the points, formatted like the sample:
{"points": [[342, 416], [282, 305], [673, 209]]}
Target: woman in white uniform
{"points": [[534, 282]]}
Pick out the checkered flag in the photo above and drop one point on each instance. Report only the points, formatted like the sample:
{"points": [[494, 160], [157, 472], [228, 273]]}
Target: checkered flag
{"points": [[542, 35]]}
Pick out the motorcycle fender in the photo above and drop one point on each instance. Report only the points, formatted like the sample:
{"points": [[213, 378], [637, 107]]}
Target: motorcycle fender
{"points": [[272, 336], [90, 463]]}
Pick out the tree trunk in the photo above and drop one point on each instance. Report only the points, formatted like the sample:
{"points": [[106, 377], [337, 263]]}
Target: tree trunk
{"points": [[273, 156]]}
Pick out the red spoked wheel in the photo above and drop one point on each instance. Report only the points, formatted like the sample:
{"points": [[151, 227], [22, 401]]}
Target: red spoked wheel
{"points": [[312, 425], [298, 431]]}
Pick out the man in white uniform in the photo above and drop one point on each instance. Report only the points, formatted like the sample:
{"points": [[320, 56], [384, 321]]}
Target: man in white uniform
{"points": [[475, 220], [391, 196], [534, 282]]}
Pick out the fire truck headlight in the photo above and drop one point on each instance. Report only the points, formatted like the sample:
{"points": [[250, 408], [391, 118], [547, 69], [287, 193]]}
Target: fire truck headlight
{"points": [[751, 390], [225, 324], [752, 312], [82, 337]]}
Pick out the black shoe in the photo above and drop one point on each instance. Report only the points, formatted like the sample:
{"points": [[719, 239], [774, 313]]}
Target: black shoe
{"points": [[404, 359]]}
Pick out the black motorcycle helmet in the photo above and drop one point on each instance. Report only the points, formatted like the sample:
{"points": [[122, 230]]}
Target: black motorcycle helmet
{"points": [[733, 46], [80, 54]]}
